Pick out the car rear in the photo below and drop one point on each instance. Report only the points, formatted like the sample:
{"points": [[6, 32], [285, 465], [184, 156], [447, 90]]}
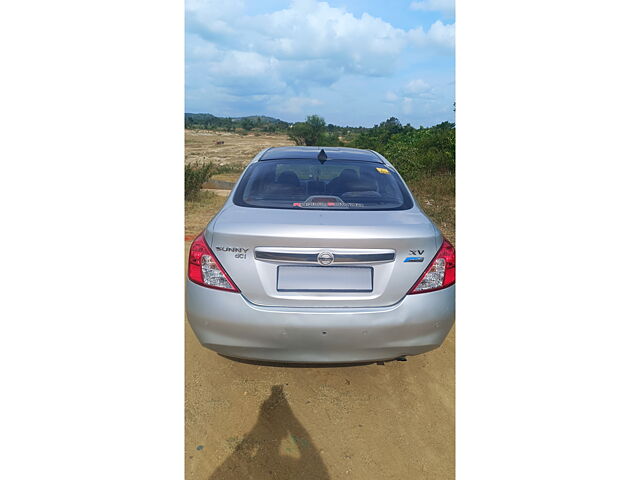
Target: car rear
{"points": [[321, 256]]}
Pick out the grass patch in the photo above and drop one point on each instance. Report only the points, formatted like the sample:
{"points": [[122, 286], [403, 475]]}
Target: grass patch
{"points": [[199, 211], [229, 168], [437, 197], [227, 177]]}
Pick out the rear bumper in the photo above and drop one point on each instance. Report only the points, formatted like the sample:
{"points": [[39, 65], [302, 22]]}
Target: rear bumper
{"points": [[231, 325]]}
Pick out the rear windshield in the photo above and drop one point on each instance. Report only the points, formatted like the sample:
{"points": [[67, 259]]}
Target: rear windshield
{"points": [[332, 185]]}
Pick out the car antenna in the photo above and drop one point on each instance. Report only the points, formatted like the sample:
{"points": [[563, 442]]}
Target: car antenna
{"points": [[322, 156]]}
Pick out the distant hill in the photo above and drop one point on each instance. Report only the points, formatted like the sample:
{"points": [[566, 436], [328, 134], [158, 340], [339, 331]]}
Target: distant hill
{"points": [[263, 123], [259, 118], [208, 121]]}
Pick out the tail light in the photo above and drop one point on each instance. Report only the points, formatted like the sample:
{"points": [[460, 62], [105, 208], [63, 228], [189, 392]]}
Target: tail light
{"points": [[204, 268], [440, 273]]}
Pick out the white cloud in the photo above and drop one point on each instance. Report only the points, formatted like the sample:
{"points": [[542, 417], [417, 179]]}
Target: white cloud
{"points": [[407, 106], [294, 59], [297, 105], [253, 73], [415, 95], [391, 97], [310, 42], [445, 6], [199, 49], [440, 36], [208, 10], [309, 30], [417, 87]]}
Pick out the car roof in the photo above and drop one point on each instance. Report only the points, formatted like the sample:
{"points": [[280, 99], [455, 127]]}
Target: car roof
{"points": [[338, 153]]}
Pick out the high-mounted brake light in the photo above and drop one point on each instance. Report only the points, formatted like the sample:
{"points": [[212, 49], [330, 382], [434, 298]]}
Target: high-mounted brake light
{"points": [[440, 273], [204, 268]]}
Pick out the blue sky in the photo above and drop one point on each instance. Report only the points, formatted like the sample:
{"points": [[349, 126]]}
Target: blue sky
{"points": [[354, 62]]}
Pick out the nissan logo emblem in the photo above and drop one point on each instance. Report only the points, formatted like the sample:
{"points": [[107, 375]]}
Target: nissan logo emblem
{"points": [[325, 258]]}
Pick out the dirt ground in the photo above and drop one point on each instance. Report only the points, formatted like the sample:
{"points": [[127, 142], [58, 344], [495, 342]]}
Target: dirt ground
{"points": [[247, 421], [201, 146]]}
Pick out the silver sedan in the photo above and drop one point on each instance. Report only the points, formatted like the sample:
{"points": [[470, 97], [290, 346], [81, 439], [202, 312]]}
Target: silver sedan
{"points": [[321, 255]]}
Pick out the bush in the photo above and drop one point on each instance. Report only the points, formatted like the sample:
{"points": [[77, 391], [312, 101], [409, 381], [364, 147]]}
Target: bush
{"points": [[414, 152], [427, 151], [331, 140], [195, 174]]}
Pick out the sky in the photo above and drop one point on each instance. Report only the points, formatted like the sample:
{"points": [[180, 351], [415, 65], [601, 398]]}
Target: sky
{"points": [[353, 62]]}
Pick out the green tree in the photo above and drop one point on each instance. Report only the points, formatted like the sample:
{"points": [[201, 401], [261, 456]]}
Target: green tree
{"points": [[247, 124], [316, 123], [309, 132]]}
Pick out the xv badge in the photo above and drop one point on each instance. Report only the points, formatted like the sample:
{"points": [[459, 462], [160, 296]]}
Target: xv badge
{"points": [[416, 252]]}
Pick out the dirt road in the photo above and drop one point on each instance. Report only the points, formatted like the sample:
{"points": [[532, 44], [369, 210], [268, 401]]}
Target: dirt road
{"points": [[391, 421], [245, 421]]}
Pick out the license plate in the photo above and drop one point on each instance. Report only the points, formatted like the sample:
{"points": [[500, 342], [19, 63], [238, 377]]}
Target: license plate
{"points": [[298, 278]]}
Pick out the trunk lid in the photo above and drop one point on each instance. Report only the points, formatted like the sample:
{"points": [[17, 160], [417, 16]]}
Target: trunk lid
{"points": [[322, 258]]}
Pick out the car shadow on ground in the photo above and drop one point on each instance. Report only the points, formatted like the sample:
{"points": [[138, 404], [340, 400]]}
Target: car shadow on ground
{"points": [[277, 447]]}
